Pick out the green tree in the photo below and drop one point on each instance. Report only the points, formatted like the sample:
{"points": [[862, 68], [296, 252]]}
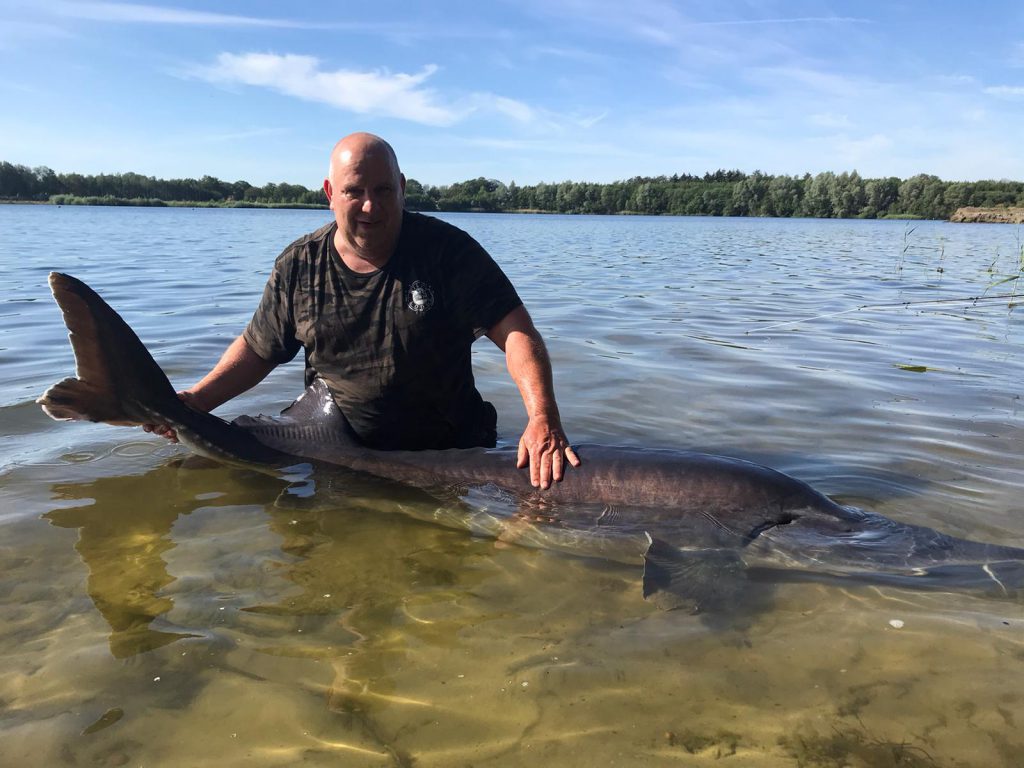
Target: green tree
{"points": [[783, 197], [818, 194], [847, 195]]}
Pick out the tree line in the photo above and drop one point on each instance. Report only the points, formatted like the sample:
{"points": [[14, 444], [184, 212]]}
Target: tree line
{"points": [[42, 184], [722, 193]]}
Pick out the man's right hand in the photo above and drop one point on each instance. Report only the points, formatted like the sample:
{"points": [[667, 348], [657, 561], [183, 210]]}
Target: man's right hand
{"points": [[165, 430], [238, 370]]}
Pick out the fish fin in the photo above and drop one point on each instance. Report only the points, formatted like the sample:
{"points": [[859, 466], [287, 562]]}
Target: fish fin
{"points": [[82, 400], [116, 378], [704, 580], [117, 381], [316, 407], [313, 404], [313, 421]]}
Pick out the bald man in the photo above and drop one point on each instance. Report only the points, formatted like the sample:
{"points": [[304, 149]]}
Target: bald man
{"points": [[386, 304]]}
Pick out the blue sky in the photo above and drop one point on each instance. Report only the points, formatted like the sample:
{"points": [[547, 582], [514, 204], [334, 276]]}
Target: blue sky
{"points": [[526, 90]]}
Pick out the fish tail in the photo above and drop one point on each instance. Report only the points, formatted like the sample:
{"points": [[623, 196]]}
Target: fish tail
{"points": [[116, 380]]}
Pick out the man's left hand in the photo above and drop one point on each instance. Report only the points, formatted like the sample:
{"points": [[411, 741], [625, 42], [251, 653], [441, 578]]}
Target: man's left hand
{"points": [[545, 448]]}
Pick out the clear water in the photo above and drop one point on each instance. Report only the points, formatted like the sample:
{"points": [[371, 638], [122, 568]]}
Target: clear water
{"points": [[159, 611]]}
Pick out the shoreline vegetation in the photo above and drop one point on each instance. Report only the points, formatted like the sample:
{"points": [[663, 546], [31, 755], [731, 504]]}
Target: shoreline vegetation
{"points": [[722, 193]]}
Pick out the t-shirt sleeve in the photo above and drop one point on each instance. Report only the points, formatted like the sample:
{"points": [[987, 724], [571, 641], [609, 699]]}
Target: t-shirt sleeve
{"points": [[271, 332], [485, 293]]}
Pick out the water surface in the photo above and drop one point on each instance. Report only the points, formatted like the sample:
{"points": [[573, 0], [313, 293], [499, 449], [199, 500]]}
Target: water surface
{"points": [[156, 610]]}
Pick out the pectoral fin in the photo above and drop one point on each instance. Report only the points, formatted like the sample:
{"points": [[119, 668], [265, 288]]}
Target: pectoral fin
{"points": [[705, 580]]}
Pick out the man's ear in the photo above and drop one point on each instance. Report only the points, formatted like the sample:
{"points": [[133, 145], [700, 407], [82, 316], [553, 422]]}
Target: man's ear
{"points": [[328, 191]]}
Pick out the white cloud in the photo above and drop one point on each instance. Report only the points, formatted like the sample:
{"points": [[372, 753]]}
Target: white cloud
{"points": [[377, 92], [792, 20], [517, 110], [955, 80], [366, 93], [568, 53], [135, 13], [591, 121], [1006, 91]]}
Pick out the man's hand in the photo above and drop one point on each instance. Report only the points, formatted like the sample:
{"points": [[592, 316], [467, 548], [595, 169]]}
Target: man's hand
{"points": [[238, 370], [545, 448], [165, 430]]}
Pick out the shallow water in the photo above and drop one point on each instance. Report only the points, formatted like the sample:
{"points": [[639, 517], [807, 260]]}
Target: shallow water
{"points": [[159, 610]]}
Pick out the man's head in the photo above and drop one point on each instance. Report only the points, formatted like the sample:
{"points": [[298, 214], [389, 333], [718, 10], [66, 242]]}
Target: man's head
{"points": [[366, 191]]}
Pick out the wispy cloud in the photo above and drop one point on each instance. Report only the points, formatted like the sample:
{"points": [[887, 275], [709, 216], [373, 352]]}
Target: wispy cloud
{"points": [[517, 110], [1006, 91], [662, 22], [136, 13], [567, 53], [793, 20], [591, 121], [399, 32], [377, 92]]}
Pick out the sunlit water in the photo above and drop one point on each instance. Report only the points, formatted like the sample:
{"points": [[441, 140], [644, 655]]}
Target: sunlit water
{"points": [[156, 611]]}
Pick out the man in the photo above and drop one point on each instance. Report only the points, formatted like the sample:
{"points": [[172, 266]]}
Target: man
{"points": [[386, 305]]}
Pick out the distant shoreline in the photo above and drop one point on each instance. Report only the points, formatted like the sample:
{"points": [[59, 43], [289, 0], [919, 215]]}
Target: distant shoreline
{"points": [[132, 202], [825, 195], [144, 202], [966, 215]]}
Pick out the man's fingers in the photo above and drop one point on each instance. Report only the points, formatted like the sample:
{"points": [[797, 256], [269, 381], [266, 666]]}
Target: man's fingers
{"points": [[161, 430], [570, 454], [547, 459], [557, 466], [545, 470]]}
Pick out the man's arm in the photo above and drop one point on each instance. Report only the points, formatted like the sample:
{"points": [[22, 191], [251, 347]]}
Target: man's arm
{"points": [[543, 445], [238, 370]]}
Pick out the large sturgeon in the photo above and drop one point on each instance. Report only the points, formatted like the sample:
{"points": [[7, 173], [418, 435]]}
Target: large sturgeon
{"points": [[699, 522]]}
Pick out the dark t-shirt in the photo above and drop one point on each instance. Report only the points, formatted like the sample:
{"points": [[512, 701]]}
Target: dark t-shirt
{"points": [[392, 345]]}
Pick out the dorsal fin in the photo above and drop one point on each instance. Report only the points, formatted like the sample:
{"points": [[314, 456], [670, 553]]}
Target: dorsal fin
{"points": [[311, 424]]}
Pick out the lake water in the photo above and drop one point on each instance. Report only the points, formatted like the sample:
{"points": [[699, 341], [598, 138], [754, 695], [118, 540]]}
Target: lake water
{"points": [[158, 611]]}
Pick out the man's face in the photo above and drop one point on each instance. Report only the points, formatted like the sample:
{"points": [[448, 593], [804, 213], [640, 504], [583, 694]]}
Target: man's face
{"points": [[367, 194]]}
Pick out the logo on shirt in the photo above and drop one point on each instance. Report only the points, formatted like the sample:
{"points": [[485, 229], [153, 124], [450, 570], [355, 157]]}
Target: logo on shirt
{"points": [[419, 297]]}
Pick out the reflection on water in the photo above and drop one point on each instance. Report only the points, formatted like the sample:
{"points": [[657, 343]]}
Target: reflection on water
{"points": [[122, 536], [155, 611]]}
